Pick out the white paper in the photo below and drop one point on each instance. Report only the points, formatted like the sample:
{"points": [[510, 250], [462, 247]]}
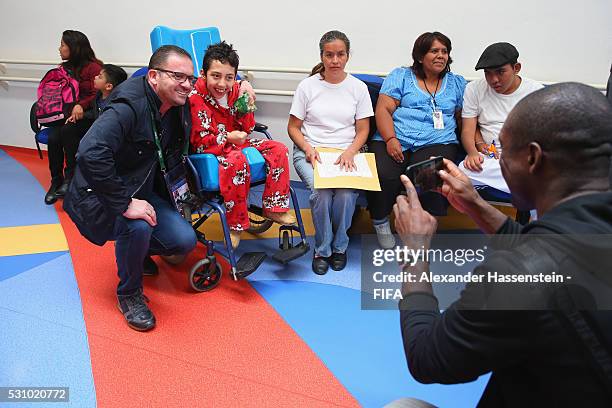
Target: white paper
{"points": [[490, 175], [328, 169]]}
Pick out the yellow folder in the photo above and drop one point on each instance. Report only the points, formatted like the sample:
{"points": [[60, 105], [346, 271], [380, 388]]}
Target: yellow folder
{"points": [[356, 182]]}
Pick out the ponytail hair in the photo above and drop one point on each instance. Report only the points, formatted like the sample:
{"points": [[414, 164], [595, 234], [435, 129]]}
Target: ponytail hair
{"points": [[327, 38], [317, 69]]}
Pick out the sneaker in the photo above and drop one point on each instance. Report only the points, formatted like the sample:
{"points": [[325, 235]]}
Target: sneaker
{"points": [[149, 267], [235, 238], [282, 218], [386, 240], [136, 312]]}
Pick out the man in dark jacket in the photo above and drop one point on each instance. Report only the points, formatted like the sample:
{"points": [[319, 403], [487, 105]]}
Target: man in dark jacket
{"points": [[118, 192], [540, 350]]}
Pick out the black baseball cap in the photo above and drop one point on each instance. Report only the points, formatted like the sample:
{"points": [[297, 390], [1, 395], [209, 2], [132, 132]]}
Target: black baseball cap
{"points": [[496, 55]]}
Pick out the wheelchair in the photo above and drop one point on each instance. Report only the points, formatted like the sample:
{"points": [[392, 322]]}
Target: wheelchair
{"points": [[205, 201]]}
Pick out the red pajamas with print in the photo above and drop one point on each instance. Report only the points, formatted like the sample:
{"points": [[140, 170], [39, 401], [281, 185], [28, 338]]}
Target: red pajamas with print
{"points": [[211, 123]]}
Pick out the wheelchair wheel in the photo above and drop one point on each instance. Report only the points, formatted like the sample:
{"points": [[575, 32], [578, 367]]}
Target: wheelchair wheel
{"points": [[204, 275], [258, 224]]}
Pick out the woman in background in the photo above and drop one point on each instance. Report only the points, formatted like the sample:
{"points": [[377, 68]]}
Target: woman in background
{"points": [[80, 61], [417, 114], [330, 109]]}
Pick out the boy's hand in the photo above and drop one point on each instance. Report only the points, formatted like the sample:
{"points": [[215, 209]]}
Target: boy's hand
{"points": [[237, 137], [473, 162]]}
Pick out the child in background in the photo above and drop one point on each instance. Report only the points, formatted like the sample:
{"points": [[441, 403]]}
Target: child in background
{"points": [[218, 128], [109, 77]]}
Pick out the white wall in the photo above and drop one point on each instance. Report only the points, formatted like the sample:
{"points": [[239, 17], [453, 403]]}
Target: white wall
{"points": [[557, 42]]}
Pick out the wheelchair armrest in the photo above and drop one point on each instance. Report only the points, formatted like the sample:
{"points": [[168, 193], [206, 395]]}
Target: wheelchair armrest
{"points": [[261, 128]]}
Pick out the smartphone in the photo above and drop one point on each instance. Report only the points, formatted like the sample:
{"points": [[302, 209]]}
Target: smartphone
{"points": [[424, 175]]}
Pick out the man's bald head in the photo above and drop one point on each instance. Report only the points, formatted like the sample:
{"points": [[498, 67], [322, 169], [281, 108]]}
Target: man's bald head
{"points": [[571, 122]]}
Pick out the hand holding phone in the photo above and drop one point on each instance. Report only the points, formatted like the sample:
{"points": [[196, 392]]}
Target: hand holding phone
{"points": [[424, 175]]}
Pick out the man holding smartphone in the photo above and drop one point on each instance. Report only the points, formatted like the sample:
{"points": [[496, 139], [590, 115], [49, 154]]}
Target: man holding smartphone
{"points": [[555, 354]]}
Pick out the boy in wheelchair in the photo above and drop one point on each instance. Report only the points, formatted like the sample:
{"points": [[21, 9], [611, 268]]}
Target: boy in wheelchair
{"points": [[218, 128]]}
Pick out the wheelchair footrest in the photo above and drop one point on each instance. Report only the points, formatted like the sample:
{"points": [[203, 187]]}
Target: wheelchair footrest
{"points": [[248, 263], [285, 256]]}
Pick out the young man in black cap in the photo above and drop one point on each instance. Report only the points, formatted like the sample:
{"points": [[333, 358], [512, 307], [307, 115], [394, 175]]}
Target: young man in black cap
{"points": [[486, 105]]}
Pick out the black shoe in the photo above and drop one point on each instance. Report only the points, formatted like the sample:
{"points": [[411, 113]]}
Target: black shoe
{"points": [[63, 189], [149, 267], [51, 196], [136, 312], [337, 261], [319, 265]]}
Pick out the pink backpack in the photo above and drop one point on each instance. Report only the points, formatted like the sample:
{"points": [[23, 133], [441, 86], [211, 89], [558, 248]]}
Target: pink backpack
{"points": [[58, 92]]}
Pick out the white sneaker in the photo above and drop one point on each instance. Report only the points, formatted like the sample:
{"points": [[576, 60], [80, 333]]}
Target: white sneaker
{"points": [[386, 240]]}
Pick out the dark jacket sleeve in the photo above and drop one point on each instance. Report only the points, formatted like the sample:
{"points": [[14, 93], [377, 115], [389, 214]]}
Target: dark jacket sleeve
{"points": [[96, 156], [507, 236], [464, 341]]}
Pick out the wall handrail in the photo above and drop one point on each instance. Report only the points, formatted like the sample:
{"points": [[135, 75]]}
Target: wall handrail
{"points": [[19, 79], [282, 70], [54, 63]]}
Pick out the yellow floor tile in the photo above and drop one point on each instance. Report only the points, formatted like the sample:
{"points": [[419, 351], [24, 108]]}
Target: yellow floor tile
{"points": [[32, 239]]}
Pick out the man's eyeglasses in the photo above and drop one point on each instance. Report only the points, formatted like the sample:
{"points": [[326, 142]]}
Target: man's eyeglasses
{"points": [[179, 76]]}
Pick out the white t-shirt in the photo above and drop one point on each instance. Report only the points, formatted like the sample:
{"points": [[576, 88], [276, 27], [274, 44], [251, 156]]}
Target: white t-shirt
{"points": [[329, 111], [491, 108]]}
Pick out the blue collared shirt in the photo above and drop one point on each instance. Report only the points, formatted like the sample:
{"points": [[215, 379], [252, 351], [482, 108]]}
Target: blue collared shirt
{"points": [[413, 118]]}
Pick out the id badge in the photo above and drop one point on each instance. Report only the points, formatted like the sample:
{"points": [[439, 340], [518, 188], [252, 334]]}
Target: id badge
{"points": [[438, 119], [178, 187]]}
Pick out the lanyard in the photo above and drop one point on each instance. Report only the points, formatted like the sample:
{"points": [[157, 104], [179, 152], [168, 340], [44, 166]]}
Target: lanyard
{"points": [[160, 155], [159, 149], [433, 97]]}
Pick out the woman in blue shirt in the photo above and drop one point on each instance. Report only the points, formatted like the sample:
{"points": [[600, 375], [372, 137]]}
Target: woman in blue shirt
{"points": [[416, 116]]}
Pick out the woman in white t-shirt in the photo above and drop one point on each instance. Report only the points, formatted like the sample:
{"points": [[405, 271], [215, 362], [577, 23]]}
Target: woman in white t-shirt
{"points": [[330, 109]]}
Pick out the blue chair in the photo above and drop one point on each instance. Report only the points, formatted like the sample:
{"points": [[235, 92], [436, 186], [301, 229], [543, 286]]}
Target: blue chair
{"points": [[374, 83], [140, 72], [195, 41], [41, 134], [205, 274]]}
